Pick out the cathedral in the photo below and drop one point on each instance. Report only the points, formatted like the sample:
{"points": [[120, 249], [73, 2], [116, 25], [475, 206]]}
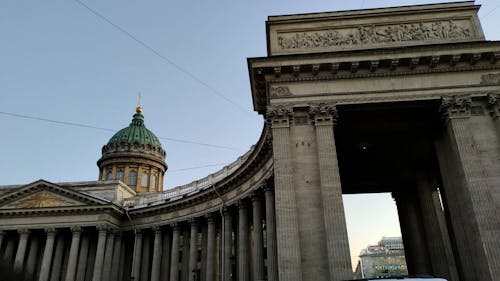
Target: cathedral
{"points": [[404, 100]]}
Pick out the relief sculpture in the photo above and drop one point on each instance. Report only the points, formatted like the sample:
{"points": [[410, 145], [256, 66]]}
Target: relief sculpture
{"points": [[423, 31]]}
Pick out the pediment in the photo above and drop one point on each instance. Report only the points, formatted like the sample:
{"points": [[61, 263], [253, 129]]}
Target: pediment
{"points": [[43, 194]]}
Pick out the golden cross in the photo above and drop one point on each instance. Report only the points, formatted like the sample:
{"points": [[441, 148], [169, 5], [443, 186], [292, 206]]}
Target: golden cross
{"points": [[139, 99]]}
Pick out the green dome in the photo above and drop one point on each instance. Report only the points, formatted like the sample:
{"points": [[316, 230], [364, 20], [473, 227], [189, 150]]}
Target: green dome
{"points": [[136, 132]]}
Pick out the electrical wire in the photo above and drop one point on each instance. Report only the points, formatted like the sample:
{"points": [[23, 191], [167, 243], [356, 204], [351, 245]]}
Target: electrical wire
{"points": [[164, 58], [490, 11], [111, 130], [198, 167]]}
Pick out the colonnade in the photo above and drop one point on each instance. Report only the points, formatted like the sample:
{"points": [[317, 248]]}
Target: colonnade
{"points": [[237, 243]]}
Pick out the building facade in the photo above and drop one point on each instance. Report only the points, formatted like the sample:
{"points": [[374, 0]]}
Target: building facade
{"points": [[402, 100], [384, 260]]}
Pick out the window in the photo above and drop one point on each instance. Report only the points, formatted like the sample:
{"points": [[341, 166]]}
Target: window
{"points": [[120, 175], [132, 178], [110, 175], [153, 181], [144, 179]]}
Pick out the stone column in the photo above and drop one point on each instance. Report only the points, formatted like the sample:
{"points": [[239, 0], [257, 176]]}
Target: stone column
{"points": [[272, 263], [473, 190], [2, 234], [210, 248], [32, 255], [165, 255], [157, 248], [8, 254], [242, 241], [82, 258], [203, 258], [337, 244], [417, 257], [99, 256], [47, 255], [174, 260], [227, 272], [287, 228], [193, 250], [21, 249], [57, 263], [115, 264], [438, 241], [108, 256], [258, 240], [136, 262], [145, 260], [73, 254]]}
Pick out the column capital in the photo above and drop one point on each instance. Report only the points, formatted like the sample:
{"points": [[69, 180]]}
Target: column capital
{"points": [[24, 231], [210, 218], [193, 221], [156, 228], [255, 196], [268, 188], [76, 229], [494, 105], [242, 204], [323, 113], [278, 116], [51, 230], [138, 231], [453, 107], [176, 226]]}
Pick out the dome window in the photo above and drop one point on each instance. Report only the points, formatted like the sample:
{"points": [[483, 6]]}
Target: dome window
{"points": [[120, 175], [109, 176], [153, 181], [144, 179], [132, 178]]}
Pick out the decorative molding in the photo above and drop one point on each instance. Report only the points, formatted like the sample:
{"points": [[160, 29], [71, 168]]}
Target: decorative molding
{"points": [[279, 92], [494, 105], [490, 79], [323, 113], [279, 115], [456, 107], [453, 30]]}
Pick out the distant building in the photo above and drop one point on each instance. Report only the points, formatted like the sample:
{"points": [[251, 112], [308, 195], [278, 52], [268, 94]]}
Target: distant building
{"points": [[386, 259]]}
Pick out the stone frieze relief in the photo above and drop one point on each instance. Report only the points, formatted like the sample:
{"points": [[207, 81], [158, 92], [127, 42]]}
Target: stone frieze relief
{"points": [[423, 31]]}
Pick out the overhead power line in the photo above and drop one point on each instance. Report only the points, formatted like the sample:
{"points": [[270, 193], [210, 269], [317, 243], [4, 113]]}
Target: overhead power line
{"points": [[198, 167], [164, 58], [490, 12], [112, 130]]}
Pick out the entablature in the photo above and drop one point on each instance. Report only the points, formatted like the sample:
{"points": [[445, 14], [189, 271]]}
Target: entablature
{"points": [[271, 76]]}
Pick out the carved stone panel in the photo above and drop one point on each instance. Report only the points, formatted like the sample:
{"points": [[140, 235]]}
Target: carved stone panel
{"points": [[374, 28]]}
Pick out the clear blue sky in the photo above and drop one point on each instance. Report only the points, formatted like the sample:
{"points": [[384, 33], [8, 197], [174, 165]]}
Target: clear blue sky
{"points": [[59, 61]]}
